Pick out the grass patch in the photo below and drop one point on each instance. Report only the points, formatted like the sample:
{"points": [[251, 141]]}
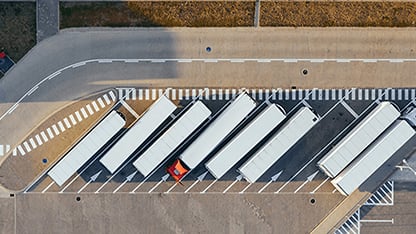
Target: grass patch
{"points": [[17, 28], [156, 14], [338, 14]]}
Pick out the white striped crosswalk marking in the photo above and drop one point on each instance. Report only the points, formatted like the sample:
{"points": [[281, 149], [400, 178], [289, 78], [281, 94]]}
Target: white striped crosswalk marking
{"points": [[300, 94], [353, 94], [200, 93], [55, 129], [220, 94], [227, 94], [120, 92], [32, 143], [84, 113], [49, 131], [27, 147], [313, 97], [146, 94], [234, 93], [193, 95], [412, 93], [380, 93], [38, 140], [161, 91], [173, 94], [261, 94], [207, 95], [373, 94], [366, 94], [280, 94], [100, 101], [90, 111], [287, 94], [154, 94], [253, 94], [133, 94], [266, 93], [14, 152], [406, 94], [44, 137], [1, 150], [326, 94], [399, 94], [214, 94], [333, 94], [78, 116], [393, 94], [7, 148], [106, 99], [113, 96], [67, 124], [187, 94], [319, 94], [340, 94], [73, 121], [360, 94], [387, 94], [61, 126], [94, 104], [21, 151], [293, 91], [140, 94]]}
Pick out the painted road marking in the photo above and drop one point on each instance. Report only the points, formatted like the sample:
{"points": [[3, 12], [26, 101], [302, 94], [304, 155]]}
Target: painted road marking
{"points": [[73, 121], [22, 152], [38, 140], [44, 137], [61, 126], [27, 147], [154, 94], [90, 111], [94, 104], [1, 150], [14, 152], [84, 113], [32, 143], [49, 131], [147, 95], [129, 109], [113, 96], [349, 109], [78, 116], [55, 129], [100, 101], [107, 100], [67, 124], [186, 94]]}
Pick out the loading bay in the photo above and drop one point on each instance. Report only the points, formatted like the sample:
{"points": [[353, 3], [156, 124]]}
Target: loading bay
{"points": [[296, 173]]}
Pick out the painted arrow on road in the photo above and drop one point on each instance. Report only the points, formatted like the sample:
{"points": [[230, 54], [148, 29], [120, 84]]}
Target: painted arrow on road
{"points": [[238, 178], [128, 179], [92, 179], [272, 179], [309, 179], [163, 179], [199, 179]]}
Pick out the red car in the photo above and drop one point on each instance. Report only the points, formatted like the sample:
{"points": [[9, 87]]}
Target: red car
{"points": [[177, 170]]}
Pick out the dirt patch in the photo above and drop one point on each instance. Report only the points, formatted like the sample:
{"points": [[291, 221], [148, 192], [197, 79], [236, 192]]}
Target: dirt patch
{"points": [[17, 28], [154, 14], [338, 14]]}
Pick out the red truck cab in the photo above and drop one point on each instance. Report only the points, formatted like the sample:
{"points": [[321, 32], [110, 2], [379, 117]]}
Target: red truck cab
{"points": [[177, 170]]}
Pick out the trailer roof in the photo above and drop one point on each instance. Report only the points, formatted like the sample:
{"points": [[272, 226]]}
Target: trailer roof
{"points": [[158, 112], [247, 139], [172, 138], [86, 148], [218, 130]]}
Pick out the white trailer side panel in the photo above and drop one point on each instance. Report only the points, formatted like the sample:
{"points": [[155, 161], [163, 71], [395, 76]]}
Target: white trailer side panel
{"points": [[280, 143], [138, 133], [358, 139], [86, 148], [248, 138], [218, 130], [372, 158], [172, 138]]}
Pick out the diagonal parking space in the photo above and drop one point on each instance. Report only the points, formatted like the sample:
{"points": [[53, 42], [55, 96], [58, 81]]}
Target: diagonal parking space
{"points": [[295, 172]]}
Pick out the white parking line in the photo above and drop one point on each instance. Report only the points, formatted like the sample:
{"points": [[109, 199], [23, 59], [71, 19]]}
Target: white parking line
{"points": [[49, 131], [100, 101], [27, 147], [129, 109], [67, 124], [32, 143], [44, 137], [38, 140], [21, 151], [90, 111], [61, 126], [349, 109], [113, 96], [73, 121], [94, 104], [84, 113], [106, 99]]}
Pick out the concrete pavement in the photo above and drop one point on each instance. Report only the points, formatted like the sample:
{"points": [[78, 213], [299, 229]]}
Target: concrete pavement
{"points": [[47, 18]]}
